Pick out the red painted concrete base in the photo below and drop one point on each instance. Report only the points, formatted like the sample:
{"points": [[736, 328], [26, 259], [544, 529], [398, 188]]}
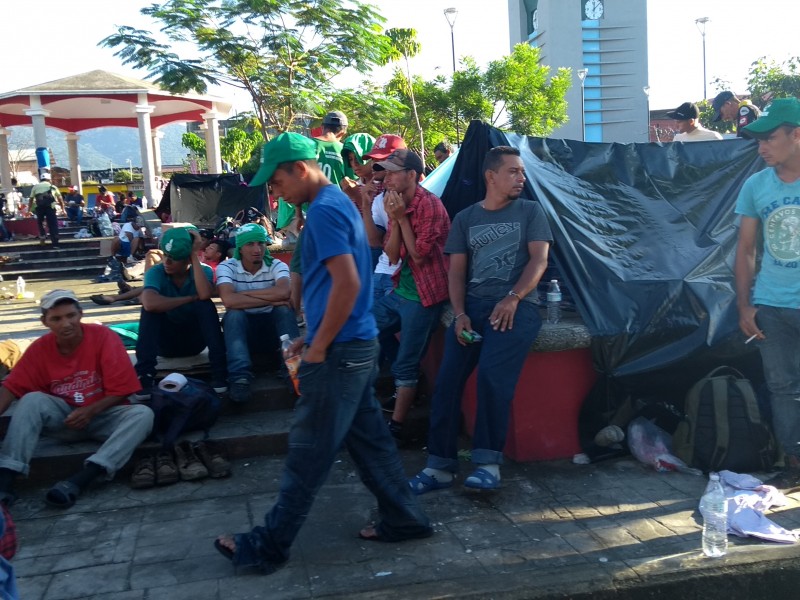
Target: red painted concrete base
{"points": [[544, 413]]}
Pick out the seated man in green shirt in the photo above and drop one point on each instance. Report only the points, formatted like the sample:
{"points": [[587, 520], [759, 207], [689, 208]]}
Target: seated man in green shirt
{"points": [[178, 317]]}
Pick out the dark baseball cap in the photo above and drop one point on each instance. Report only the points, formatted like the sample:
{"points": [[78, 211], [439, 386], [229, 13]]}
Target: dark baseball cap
{"points": [[686, 111], [336, 118], [717, 103], [400, 160]]}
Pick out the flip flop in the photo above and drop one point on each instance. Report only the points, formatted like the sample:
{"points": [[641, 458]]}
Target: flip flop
{"points": [[226, 552], [370, 533], [422, 483], [481, 479], [63, 494], [100, 299]]}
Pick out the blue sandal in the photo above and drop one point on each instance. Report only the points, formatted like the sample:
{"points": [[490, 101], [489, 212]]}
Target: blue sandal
{"points": [[422, 483], [481, 479]]}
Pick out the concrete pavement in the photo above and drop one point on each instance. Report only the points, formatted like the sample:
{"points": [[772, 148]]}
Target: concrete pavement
{"points": [[555, 530]]}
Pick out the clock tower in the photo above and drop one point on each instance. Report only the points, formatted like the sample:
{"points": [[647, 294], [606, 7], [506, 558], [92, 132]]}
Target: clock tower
{"points": [[606, 42]]}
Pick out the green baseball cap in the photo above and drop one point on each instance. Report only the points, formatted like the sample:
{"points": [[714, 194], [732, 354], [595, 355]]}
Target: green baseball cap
{"points": [[176, 243], [783, 111], [286, 147]]}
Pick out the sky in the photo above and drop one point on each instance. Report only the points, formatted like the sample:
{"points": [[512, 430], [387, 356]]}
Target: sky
{"points": [[738, 32]]}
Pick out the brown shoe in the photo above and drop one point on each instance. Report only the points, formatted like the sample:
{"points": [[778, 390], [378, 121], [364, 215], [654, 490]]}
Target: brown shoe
{"points": [[189, 466], [215, 463], [144, 473], [166, 469]]}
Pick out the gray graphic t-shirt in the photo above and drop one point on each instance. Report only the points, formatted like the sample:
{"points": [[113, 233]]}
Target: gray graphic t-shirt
{"points": [[777, 205], [496, 242]]}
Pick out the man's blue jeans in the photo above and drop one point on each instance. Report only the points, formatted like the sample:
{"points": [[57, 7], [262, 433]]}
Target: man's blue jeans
{"points": [[415, 323], [336, 406], [499, 358], [75, 213], [780, 355], [158, 335], [254, 332]]}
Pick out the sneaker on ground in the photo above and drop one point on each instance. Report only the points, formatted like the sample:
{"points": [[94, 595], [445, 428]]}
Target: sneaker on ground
{"points": [[189, 465], [240, 391], [216, 464], [144, 473], [166, 469], [147, 388], [219, 386]]}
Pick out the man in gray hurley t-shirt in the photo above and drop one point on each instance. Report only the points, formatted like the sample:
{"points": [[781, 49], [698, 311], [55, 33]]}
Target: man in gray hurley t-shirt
{"points": [[498, 252]]}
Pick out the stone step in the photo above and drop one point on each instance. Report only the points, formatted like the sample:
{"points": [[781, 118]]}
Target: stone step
{"points": [[260, 428]]}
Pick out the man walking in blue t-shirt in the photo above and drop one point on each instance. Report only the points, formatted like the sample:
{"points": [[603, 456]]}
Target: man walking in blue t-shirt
{"points": [[336, 404], [770, 312]]}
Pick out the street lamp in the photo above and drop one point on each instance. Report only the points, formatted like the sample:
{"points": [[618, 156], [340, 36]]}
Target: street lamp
{"points": [[701, 26], [582, 73], [646, 90], [450, 14], [111, 163], [130, 168]]}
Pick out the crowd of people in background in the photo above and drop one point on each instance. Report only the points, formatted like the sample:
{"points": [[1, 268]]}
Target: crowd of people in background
{"points": [[376, 260]]}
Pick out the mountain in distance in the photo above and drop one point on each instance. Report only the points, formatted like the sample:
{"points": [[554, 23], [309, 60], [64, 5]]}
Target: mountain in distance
{"points": [[103, 147]]}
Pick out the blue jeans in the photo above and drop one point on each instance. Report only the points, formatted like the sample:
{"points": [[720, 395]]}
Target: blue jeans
{"points": [[75, 213], [780, 355], [158, 335], [336, 406], [382, 285], [254, 332], [499, 358], [416, 323]]}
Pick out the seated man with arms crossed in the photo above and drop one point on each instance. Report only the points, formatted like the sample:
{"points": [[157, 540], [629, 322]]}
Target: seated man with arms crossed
{"points": [[254, 287], [73, 382]]}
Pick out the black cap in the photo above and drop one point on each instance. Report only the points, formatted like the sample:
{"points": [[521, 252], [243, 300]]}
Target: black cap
{"points": [[399, 160], [336, 118], [721, 99], [684, 112]]}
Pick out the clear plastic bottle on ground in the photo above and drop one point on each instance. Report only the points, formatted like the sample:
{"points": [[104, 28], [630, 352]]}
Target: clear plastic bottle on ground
{"points": [[714, 508], [553, 302], [292, 361], [20, 287]]}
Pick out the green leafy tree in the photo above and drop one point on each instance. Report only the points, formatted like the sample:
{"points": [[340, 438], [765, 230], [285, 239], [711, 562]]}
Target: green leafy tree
{"points": [[769, 80], [526, 98], [284, 53], [237, 146], [404, 45], [194, 143]]}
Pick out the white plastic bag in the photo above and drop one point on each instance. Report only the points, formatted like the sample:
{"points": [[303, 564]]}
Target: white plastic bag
{"points": [[652, 446]]}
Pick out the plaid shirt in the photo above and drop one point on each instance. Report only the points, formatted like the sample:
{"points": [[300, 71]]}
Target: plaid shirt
{"points": [[431, 224]]}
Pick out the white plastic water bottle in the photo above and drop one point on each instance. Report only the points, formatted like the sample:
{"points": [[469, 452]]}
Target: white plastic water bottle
{"points": [[714, 508], [20, 287], [553, 302]]}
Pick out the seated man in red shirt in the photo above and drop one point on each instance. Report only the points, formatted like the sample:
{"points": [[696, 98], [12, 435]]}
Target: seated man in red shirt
{"points": [[74, 382]]}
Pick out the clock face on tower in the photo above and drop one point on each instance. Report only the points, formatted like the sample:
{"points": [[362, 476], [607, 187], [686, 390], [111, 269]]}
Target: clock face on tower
{"points": [[593, 9]]}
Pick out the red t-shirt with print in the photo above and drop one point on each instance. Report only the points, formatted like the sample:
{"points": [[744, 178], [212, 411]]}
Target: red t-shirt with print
{"points": [[99, 367]]}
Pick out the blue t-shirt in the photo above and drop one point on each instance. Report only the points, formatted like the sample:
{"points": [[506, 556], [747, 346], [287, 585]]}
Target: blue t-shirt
{"points": [[333, 228], [157, 279], [777, 205]]}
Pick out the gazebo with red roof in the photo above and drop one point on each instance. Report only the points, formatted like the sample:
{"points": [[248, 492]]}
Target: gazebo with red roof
{"points": [[102, 99]]}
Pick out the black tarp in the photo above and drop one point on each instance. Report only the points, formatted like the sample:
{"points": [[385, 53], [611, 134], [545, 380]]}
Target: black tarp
{"points": [[645, 236], [206, 199]]}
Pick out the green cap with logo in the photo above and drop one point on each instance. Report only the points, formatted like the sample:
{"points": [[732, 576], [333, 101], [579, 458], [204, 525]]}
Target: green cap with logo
{"points": [[176, 243], [286, 147], [783, 111]]}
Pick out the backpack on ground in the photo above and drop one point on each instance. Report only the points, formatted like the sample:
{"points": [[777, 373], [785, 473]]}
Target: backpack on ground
{"points": [[195, 407], [723, 428]]}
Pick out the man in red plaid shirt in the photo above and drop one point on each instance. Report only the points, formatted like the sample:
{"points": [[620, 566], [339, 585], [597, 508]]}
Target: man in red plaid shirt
{"points": [[417, 231]]}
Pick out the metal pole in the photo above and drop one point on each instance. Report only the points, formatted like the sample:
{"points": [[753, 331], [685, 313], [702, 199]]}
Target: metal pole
{"points": [[582, 73], [701, 27], [450, 14]]}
